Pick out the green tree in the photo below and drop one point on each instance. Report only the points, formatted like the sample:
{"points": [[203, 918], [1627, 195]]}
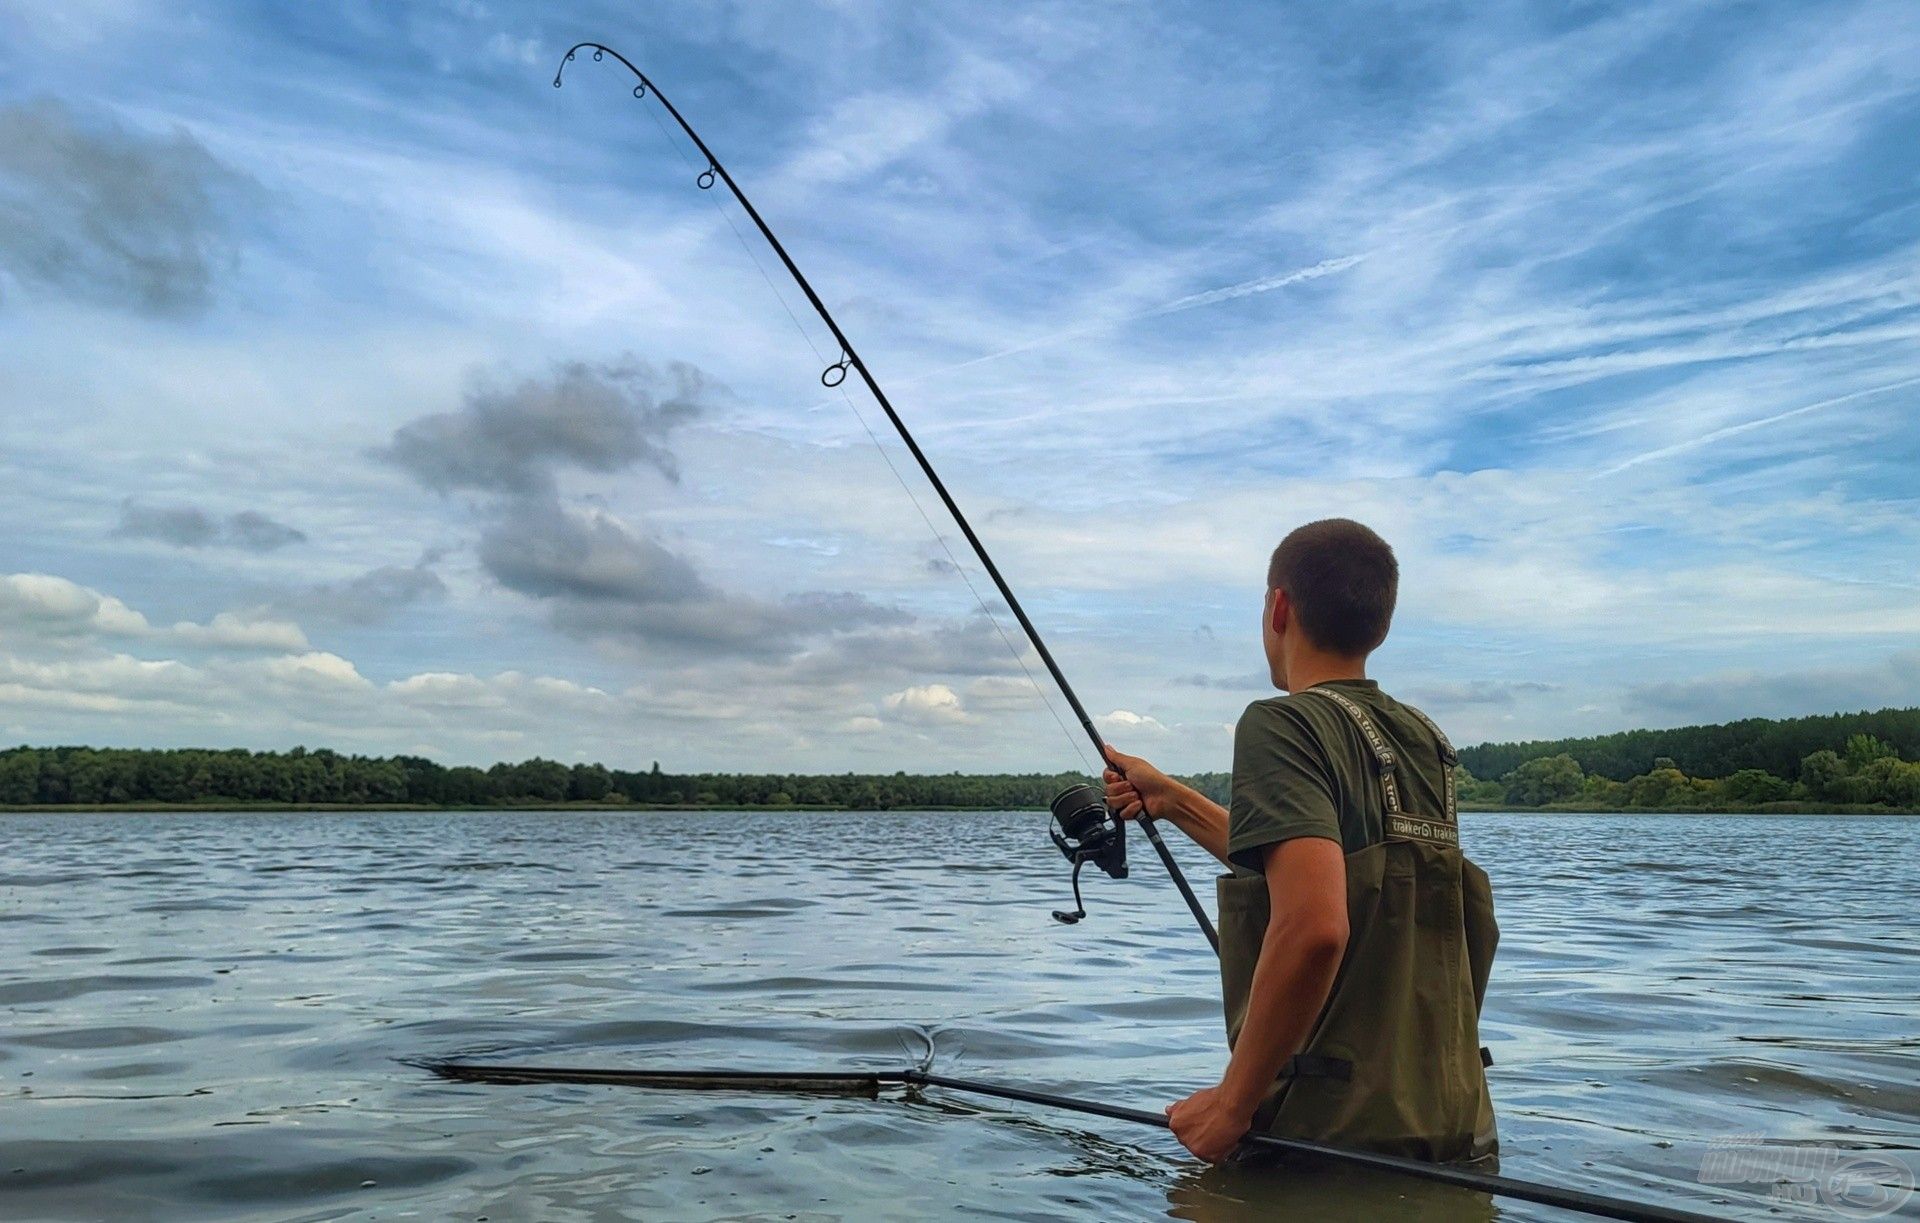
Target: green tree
{"points": [[589, 783], [1603, 791], [1903, 784], [1547, 780], [1468, 788], [1663, 788], [20, 776], [466, 786], [1863, 750], [542, 780], [1755, 786], [1824, 774]]}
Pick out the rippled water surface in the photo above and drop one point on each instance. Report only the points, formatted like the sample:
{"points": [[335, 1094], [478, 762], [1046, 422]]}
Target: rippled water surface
{"points": [[202, 1016]]}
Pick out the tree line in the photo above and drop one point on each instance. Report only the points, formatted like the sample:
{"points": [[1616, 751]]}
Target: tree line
{"points": [[85, 776], [1864, 760], [1776, 746], [1867, 772]]}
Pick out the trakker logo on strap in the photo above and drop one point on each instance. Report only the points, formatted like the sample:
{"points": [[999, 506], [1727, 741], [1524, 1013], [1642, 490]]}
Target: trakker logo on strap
{"points": [[1412, 828]]}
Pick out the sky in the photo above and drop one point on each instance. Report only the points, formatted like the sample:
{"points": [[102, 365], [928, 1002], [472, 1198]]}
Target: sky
{"points": [[360, 389]]}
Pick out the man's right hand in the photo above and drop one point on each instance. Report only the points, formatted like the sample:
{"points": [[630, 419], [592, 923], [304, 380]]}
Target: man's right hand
{"points": [[1134, 786]]}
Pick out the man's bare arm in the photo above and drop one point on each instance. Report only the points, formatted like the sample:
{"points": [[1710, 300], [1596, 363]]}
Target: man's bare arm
{"points": [[1299, 958], [1143, 787]]}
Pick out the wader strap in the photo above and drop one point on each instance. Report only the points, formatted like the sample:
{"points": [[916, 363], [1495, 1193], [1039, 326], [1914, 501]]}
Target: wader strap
{"points": [[1383, 758], [1486, 1056], [1448, 758], [1415, 828], [1446, 745], [1317, 1066]]}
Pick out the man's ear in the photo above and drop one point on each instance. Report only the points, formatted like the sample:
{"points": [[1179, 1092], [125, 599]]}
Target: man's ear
{"points": [[1278, 614]]}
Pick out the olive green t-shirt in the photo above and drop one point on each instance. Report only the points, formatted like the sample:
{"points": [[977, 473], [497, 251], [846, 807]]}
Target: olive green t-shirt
{"points": [[1301, 769]]}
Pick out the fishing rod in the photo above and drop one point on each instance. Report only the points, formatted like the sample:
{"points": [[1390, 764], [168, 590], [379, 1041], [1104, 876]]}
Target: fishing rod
{"points": [[869, 1084], [1083, 828]]}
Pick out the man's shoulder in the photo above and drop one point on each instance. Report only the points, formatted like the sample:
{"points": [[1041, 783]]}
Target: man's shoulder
{"points": [[1402, 716], [1285, 708], [1299, 716], [1316, 704], [1338, 700], [1324, 715]]}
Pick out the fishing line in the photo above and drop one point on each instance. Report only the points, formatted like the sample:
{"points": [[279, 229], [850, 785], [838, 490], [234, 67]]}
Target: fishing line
{"points": [[1100, 839], [885, 457]]}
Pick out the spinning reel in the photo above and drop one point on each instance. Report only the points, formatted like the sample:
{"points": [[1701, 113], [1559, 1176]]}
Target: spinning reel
{"points": [[1086, 831]]}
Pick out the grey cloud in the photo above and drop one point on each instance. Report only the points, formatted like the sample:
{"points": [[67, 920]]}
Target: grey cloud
{"points": [[604, 581], [1746, 694], [1227, 683], [600, 578], [375, 596], [513, 439], [111, 214], [1479, 692], [543, 550], [189, 526], [970, 647], [184, 526], [722, 622], [256, 532]]}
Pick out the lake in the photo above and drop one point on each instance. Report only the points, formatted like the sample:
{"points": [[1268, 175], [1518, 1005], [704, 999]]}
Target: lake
{"points": [[202, 1016]]}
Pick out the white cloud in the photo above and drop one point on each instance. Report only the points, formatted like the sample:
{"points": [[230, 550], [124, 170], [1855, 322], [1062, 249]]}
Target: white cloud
{"points": [[1127, 722], [315, 671], [42, 604], [244, 630], [233, 689], [926, 705], [446, 690], [39, 602]]}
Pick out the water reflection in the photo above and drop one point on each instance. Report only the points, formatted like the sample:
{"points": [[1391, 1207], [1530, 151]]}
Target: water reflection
{"points": [[1312, 1190]]}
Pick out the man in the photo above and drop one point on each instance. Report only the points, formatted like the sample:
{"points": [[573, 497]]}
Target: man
{"points": [[1355, 939]]}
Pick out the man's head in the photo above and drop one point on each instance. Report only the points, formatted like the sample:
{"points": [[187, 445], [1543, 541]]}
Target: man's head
{"points": [[1330, 591]]}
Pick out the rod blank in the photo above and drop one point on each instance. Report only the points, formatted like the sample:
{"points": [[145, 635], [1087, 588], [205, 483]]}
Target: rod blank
{"points": [[869, 1083], [795, 1082], [850, 358]]}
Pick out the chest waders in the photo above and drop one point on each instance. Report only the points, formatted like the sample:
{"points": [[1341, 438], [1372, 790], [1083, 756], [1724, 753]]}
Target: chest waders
{"points": [[1393, 1063]]}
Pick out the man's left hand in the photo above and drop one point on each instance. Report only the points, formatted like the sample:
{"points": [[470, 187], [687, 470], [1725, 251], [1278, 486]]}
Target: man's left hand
{"points": [[1208, 1124]]}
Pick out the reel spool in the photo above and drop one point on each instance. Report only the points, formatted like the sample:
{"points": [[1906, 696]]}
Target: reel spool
{"points": [[1085, 831]]}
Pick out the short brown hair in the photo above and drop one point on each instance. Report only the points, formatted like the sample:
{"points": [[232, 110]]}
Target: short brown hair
{"points": [[1342, 581]]}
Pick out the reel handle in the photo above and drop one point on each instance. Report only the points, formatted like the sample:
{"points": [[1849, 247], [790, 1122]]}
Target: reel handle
{"points": [[1079, 906]]}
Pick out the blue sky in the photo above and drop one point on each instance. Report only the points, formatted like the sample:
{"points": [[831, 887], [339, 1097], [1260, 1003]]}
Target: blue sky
{"points": [[362, 389]]}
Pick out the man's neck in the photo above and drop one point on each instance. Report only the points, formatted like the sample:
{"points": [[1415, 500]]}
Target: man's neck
{"points": [[1316, 668]]}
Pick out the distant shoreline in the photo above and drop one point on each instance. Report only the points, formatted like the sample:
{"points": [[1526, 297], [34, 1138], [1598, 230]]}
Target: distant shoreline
{"points": [[1842, 764], [1557, 809]]}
